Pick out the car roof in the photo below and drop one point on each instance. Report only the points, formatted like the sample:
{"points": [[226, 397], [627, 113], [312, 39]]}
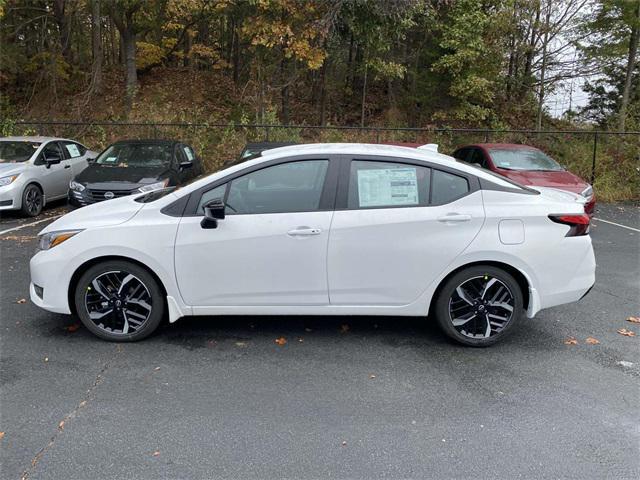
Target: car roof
{"points": [[148, 140], [34, 138], [267, 145]]}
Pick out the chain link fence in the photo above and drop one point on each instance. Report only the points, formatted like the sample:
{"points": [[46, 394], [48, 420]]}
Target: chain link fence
{"points": [[610, 160]]}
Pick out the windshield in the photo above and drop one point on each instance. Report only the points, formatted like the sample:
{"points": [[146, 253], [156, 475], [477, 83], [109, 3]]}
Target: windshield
{"points": [[146, 155], [523, 159], [15, 152]]}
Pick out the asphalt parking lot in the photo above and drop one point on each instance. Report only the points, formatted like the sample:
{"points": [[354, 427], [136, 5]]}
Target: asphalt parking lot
{"points": [[342, 398]]}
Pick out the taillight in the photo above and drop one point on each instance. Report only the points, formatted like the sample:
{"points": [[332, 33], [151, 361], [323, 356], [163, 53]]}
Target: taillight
{"points": [[579, 223]]}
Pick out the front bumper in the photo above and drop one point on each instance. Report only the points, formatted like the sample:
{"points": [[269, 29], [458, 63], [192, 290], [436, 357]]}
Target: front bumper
{"points": [[49, 271], [11, 196]]}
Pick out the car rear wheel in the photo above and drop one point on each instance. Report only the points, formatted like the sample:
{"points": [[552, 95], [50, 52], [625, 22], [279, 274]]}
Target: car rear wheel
{"points": [[479, 305], [32, 201], [119, 301]]}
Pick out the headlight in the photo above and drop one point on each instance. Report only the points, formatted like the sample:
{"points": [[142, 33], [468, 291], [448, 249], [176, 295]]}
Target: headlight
{"points": [[154, 186], [51, 239], [587, 192], [78, 187], [4, 181]]}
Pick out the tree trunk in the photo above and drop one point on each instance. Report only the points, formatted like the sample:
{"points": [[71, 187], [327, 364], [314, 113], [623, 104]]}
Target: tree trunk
{"points": [[323, 92], [236, 56], [64, 26], [530, 53], [543, 69], [631, 62], [284, 91], [364, 91], [187, 49], [96, 36], [131, 86]]}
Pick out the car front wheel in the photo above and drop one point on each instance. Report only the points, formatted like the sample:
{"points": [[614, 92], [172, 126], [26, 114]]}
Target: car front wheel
{"points": [[479, 305], [32, 201], [119, 301]]}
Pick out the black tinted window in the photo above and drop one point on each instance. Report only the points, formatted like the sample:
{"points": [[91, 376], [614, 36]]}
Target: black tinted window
{"points": [[447, 187], [387, 184], [477, 158], [288, 187]]}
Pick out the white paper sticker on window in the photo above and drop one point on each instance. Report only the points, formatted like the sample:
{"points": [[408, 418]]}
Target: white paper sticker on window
{"points": [[388, 187], [73, 150], [188, 153]]}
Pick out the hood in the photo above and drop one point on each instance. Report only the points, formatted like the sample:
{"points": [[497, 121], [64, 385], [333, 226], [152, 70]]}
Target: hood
{"points": [[7, 169], [114, 212], [559, 179], [96, 173]]}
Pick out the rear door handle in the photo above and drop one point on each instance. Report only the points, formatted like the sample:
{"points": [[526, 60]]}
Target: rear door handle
{"points": [[303, 232], [454, 218], [67, 166]]}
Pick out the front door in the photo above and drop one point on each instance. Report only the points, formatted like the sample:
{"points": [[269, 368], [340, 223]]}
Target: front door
{"points": [[401, 224], [271, 249], [55, 178]]}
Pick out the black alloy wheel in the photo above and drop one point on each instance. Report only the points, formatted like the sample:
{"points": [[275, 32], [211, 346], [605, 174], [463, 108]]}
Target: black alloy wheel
{"points": [[119, 301], [477, 306]]}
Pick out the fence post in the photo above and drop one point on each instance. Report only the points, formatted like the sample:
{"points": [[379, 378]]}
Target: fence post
{"points": [[486, 136], [593, 162], [266, 133], [377, 136]]}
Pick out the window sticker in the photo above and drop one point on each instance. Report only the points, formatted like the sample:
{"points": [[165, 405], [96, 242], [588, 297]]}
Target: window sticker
{"points": [[388, 187], [111, 160], [73, 150], [188, 153]]}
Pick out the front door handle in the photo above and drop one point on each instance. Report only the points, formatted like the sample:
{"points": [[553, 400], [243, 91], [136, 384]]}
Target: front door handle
{"points": [[303, 232], [67, 166], [454, 218]]}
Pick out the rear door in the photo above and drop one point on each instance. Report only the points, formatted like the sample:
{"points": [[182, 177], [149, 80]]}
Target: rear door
{"points": [[76, 155], [397, 225]]}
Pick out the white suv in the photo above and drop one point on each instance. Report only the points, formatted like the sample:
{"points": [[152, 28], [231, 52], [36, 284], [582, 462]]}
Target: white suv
{"points": [[37, 170]]}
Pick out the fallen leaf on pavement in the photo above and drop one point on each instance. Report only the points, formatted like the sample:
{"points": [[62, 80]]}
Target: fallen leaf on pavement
{"points": [[344, 443], [571, 341], [157, 368], [82, 403], [281, 341], [308, 330], [61, 425], [301, 340], [46, 359], [372, 376], [626, 333], [592, 341], [241, 344], [1, 435], [156, 453], [22, 300], [633, 319], [72, 328], [344, 328]]}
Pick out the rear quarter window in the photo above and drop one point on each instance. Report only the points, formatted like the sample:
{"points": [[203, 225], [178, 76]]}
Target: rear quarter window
{"points": [[447, 187]]}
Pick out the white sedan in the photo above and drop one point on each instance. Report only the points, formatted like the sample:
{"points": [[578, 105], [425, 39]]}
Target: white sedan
{"points": [[37, 170], [322, 229]]}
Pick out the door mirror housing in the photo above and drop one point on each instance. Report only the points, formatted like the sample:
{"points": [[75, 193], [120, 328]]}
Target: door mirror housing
{"points": [[185, 165], [52, 159], [213, 211]]}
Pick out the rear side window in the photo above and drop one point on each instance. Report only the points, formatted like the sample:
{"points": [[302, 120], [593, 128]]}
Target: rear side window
{"points": [[387, 184], [287, 187], [447, 187], [73, 150]]}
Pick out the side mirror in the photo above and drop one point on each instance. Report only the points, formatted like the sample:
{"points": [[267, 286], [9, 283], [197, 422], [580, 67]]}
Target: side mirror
{"points": [[91, 159], [52, 160], [213, 211], [185, 165]]}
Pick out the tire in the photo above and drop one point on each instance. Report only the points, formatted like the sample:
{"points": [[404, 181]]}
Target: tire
{"points": [[32, 201], [482, 315], [119, 301]]}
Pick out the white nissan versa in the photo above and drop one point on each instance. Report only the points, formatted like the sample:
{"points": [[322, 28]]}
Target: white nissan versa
{"points": [[323, 229]]}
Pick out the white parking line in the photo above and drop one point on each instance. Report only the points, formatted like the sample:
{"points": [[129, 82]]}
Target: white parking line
{"points": [[29, 224], [617, 224]]}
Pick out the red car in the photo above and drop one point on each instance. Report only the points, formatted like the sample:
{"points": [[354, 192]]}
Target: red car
{"points": [[527, 166]]}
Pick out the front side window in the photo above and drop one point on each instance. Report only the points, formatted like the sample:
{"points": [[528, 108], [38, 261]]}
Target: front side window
{"points": [[287, 187], [447, 187], [523, 159], [50, 151], [137, 155], [387, 184], [17, 152], [212, 194]]}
